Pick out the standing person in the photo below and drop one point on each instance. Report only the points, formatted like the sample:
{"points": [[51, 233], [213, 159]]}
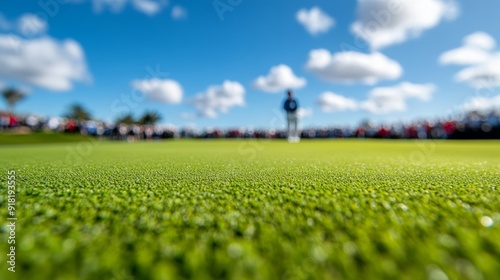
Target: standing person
{"points": [[291, 106]]}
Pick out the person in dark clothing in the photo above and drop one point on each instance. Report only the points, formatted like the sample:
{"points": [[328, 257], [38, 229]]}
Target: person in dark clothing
{"points": [[291, 107]]}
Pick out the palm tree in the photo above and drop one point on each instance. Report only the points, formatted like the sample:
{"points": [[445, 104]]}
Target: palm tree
{"points": [[78, 112], [150, 118], [12, 96], [126, 119]]}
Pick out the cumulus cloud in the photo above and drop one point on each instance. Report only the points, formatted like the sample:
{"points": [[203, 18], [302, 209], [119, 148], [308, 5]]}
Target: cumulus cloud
{"points": [[27, 25], [147, 7], [480, 40], [486, 74], [303, 113], [393, 99], [380, 100], [382, 23], [165, 91], [178, 12], [483, 104], [352, 67], [280, 78], [465, 55], [315, 20], [332, 102], [476, 49], [44, 62], [31, 25], [219, 99], [477, 53]]}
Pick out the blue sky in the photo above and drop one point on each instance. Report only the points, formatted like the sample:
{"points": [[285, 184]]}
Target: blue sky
{"points": [[195, 50]]}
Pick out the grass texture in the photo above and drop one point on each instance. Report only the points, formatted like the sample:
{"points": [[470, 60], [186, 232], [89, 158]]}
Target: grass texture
{"points": [[40, 137], [341, 209]]}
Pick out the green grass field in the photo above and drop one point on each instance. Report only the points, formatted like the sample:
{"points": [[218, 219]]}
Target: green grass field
{"points": [[40, 137], [336, 209]]}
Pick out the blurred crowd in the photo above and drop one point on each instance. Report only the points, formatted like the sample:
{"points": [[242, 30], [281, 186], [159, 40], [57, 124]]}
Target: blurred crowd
{"points": [[472, 125]]}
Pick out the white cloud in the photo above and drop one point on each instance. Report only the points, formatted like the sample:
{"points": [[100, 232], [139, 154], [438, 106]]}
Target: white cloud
{"points": [[332, 102], [219, 99], [476, 49], [315, 20], [31, 25], [165, 91], [480, 40], [148, 7], [43, 62], [486, 74], [27, 25], [380, 100], [465, 55], [178, 12], [351, 67], [393, 99], [478, 54], [387, 22], [483, 104], [303, 113], [280, 78]]}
